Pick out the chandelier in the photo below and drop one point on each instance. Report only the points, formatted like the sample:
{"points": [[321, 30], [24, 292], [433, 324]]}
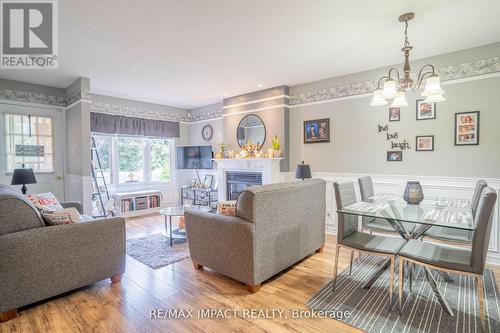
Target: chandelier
{"points": [[392, 87]]}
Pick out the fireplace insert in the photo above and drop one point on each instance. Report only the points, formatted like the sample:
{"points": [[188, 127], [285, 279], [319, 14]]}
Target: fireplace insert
{"points": [[237, 182]]}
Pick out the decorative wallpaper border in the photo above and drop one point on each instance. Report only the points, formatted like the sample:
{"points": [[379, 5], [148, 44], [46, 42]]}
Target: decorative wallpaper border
{"points": [[453, 72], [29, 97], [206, 112], [80, 93], [134, 112]]}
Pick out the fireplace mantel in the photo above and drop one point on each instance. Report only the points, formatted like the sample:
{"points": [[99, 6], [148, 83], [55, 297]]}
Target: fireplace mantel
{"points": [[269, 167]]}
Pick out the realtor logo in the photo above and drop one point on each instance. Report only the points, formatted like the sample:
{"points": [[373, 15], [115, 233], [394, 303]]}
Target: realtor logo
{"points": [[29, 37]]}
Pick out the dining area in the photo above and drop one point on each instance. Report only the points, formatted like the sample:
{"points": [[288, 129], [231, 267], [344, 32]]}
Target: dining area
{"points": [[417, 263]]}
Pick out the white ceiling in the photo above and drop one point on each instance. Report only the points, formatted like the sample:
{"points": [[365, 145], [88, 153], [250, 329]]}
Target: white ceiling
{"points": [[188, 53]]}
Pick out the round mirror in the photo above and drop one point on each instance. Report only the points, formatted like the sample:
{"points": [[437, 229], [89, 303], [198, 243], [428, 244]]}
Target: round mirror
{"points": [[251, 129]]}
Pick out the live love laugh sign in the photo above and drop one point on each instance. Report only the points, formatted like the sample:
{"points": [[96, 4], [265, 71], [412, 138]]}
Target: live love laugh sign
{"points": [[30, 151], [403, 145]]}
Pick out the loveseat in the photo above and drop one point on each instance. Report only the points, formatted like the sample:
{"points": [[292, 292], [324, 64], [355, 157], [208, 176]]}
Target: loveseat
{"points": [[275, 226], [38, 261]]}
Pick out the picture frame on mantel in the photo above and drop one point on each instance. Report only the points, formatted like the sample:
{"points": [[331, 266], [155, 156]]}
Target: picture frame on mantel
{"points": [[317, 130]]}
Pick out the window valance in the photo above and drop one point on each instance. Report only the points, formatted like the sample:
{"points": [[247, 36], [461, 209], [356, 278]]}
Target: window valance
{"points": [[114, 124]]}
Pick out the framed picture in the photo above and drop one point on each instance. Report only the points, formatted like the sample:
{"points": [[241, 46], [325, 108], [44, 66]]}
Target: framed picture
{"points": [[425, 110], [424, 143], [317, 130], [467, 128], [394, 114], [394, 156], [207, 182]]}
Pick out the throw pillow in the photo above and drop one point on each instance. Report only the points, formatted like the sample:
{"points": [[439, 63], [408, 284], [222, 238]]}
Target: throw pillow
{"points": [[227, 208], [45, 200], [58, 217]]}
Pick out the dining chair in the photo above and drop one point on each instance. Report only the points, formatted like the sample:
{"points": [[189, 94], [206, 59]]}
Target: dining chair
{"points": [[377, 224], [458, 235], [349, 237], [464, 261]]}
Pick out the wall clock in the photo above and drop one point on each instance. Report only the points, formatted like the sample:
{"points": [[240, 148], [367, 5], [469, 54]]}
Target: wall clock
{"points": [[207, 132]]}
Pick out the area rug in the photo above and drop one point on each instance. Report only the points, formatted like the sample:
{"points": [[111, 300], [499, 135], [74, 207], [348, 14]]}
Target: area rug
{"points": [[155, 250], [421, 312]]}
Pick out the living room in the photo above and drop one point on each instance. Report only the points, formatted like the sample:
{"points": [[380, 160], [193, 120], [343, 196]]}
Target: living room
{"points": [[249, 166]]}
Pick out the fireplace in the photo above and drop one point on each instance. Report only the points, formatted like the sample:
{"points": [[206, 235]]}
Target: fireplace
{"points": [[237, 182]]}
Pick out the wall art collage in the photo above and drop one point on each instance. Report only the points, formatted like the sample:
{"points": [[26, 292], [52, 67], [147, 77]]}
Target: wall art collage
{"points": [[466, 130]]}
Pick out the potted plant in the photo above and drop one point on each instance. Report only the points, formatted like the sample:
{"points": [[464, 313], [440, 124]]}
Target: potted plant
{"points": [[223, 150], [276, 146]]}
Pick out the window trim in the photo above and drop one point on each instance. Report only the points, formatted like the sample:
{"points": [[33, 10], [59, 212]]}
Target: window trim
{"points": [[114, 163]]}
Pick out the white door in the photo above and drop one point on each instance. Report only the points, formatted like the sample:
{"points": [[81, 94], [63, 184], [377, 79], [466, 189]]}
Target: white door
{"points": [[33, 126]]}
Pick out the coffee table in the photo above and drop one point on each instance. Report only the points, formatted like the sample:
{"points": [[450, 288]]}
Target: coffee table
{"points": [[168, 212]]}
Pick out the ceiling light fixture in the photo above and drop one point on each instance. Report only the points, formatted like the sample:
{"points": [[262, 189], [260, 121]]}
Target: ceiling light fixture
{"points": [[259, 85], [393, 88]]}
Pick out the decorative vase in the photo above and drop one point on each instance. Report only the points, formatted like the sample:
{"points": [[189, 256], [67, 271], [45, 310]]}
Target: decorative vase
{"points": [[413, 193], [277, 153]]}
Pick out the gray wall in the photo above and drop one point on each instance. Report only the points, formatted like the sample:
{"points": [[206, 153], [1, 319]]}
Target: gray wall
{"points": [[196, 138], [273, 114], [78, 139], [356, 147], [274, 120]]}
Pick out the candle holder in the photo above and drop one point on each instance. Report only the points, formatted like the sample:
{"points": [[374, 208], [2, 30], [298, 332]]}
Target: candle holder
{"points": [[413, 193]]}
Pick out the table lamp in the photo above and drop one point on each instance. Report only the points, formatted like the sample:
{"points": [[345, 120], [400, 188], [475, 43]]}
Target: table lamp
{"points": [[303, 171], [22, 177]]}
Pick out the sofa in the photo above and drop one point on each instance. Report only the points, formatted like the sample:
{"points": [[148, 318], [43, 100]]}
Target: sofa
{"points": [[275, 226], [38, 261]]}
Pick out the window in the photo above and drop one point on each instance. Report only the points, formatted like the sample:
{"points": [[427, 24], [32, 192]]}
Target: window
{"points": [[103, 145], [160, 160], [129, 160], [29, 140]]}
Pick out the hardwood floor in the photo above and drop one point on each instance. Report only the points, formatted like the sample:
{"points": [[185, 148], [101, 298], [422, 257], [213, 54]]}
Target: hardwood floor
{"points": [[125, 306]]}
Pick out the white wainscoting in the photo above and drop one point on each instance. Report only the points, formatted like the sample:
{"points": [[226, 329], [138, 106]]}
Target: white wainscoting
{"points": [[449, 187]]}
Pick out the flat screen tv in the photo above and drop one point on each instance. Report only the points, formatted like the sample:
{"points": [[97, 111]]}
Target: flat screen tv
{"points": [[194, 157]]}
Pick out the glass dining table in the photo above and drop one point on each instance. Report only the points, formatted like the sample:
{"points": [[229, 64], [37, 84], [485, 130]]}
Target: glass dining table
{"points": [[442, 212]]}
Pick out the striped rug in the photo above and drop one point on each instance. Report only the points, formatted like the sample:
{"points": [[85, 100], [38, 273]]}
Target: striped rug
{"points": [[421, 312]]}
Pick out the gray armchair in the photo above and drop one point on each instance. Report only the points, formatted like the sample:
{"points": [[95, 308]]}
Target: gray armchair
{"points": [[463, 261], [38, 262], [276, 226]]}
